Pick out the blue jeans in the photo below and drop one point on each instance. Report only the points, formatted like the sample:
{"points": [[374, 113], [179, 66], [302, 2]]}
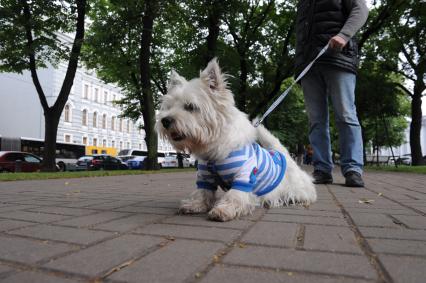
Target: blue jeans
{"points": [[321, 82]]}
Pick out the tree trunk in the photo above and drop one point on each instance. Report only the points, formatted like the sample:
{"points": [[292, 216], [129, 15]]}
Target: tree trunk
{"points": [[242, 92], [145, 71], [51, 121], [214, 22], [416, 124], [52, 114]]}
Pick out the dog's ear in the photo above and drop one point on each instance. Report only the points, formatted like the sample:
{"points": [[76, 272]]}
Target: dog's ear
{"points": [[212, 76], [175, 80]]}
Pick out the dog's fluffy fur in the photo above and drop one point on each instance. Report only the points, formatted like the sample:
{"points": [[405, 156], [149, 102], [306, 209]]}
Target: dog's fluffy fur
{"points": [[199, 116]]}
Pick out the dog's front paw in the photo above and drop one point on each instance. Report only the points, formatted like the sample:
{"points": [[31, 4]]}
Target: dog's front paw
{"points": [[222, 214], [192, 209], [200, 201]]}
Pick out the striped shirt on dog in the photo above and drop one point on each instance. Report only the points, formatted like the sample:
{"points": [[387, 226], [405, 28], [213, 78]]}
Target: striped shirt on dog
{"points": [[249, 169]]}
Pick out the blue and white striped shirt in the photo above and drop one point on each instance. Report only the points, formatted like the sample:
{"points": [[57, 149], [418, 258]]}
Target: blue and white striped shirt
{"points": [[249, 169]]}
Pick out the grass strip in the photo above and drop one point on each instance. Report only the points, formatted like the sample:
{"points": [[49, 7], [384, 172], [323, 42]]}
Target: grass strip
{"points": [[401, 168], [4, 177]]}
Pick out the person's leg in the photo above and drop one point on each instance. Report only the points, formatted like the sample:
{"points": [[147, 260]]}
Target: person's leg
{"points": [[341, 88], [314, 90]]}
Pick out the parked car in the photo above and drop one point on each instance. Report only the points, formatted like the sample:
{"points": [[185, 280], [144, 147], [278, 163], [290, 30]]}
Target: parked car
{"points": [[127, 154], [100, 162], [404, 159], [171, 161], [17, 161], [136, 162]]}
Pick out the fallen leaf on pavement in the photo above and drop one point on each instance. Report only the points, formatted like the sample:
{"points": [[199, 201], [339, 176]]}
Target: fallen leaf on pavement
{"points": [[366, 201], [242, 245]]}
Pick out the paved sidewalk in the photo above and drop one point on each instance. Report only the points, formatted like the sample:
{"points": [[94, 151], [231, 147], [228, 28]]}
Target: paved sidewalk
{"points": [[124, 229]]}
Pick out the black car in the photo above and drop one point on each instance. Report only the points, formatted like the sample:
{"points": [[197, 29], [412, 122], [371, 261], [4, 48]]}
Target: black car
{"points": [[100, 162]]}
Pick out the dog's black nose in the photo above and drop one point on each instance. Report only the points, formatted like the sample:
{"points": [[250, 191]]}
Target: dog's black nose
{"points": [[167, 121]]}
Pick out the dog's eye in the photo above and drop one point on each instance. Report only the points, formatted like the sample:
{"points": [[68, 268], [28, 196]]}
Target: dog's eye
{"points": [[189, 107]]}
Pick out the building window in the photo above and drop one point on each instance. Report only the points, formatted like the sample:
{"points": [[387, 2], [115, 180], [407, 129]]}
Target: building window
{"points": [[95, 141], [104, 121], [128, 126], [96, 95], [67, 115], [120, 125], [113, 123], [121, 145], [86, 92], [85, 140], [104, 143], [113, 144], [95, 120], [67, 138], [84, 118], [128, 144], [140, 146], [105, 97]]}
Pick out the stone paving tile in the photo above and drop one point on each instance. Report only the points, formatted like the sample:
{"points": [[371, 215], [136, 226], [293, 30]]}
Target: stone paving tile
{"points": [[202, 221], [84, 221], [406, 247], [113, 205], [404, 211], [272, 233], [6, 224], [65, 234], [143, 209], [29, 251], [129, 223], [192, 232], [305, 212], [405, 269], [35, 277], [225, 274], [62, 210], [15, 207], [32, 216], [100, 258], [177, 262], [164, 204], [418, 222], [397, 233], [328, 263], [39, 202], [377, 220], [85, 203], [305, 219], [324, 206], [4, 269], [340, 239]]}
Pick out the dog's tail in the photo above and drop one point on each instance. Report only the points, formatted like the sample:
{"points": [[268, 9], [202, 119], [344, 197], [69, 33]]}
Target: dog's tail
{"points": [[268, 140]]}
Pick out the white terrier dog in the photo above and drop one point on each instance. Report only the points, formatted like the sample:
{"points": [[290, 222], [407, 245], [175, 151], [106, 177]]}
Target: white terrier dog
{"points": [[200, 116]]}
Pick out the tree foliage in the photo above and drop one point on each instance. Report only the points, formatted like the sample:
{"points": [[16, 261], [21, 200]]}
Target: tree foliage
{"points": [[29, 36]]}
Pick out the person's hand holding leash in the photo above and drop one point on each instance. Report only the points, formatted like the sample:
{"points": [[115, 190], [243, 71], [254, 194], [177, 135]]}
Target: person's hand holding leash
{"points": [[337, 42]]}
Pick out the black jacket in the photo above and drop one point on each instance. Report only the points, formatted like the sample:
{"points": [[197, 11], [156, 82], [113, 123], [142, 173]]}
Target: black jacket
{"points": [[317, 22]]}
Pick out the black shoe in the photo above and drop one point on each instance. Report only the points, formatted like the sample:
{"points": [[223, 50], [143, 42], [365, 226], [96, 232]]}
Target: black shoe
{"points": [[353, 179], [321, 177]]}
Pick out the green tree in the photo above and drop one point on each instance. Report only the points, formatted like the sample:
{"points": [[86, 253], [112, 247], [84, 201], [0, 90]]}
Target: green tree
{"points": [[29, 41], [394, 37], [408, 36], [382, 106], [119, 46]]}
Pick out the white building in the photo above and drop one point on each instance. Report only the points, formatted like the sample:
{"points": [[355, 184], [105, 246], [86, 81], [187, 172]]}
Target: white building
{"points": [[405, 148], [89, 117]]}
